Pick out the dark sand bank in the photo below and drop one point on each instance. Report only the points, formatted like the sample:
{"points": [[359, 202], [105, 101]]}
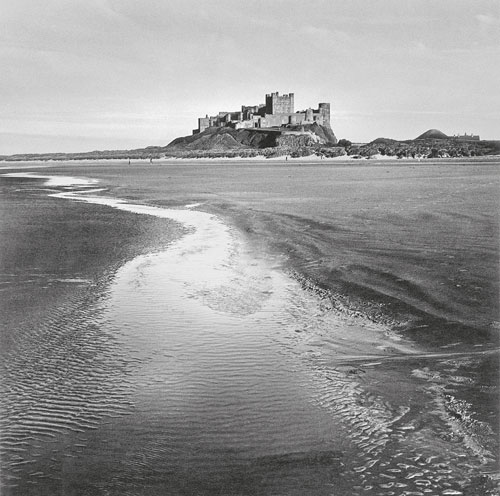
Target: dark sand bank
{"points": [[315, 394], [59, 364], [52, 252], [349, 267]]}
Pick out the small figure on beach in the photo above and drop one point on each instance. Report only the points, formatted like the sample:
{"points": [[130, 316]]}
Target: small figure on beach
{"points": [[150, 160]]}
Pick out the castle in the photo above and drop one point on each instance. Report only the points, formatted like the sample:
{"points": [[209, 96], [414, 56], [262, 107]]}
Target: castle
{"points": [[278, 111]]}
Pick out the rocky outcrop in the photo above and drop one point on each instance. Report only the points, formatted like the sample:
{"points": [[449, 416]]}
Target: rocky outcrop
{"points": [[219, 139], [287, 139]]}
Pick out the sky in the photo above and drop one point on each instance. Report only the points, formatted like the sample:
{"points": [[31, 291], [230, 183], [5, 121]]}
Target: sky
{"points": [[81, 75]]}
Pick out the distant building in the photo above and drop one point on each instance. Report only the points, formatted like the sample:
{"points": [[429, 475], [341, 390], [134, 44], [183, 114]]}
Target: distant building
{"points": [[466, 137], [278, 111]]}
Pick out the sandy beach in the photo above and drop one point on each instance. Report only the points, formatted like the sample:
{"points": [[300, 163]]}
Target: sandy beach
{"points": [[250, 329]]}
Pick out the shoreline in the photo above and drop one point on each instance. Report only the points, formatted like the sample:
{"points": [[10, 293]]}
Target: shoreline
{"points": [[315, 159]]}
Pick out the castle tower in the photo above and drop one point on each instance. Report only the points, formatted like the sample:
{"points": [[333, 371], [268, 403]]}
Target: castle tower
{"points": [[276, 104], [203, 123], [324, 110]]}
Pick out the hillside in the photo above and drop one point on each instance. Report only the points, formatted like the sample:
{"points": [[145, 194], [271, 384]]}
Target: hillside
{"points": [[216, 142], [425, 147], [294, 141], [283, 140], [138, 153], [432, 134]]}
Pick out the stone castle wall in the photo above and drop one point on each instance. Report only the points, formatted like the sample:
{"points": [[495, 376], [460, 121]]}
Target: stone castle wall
{"points": [[278, 111]]}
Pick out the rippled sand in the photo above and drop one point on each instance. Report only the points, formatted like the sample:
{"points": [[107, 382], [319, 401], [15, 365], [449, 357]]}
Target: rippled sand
{"points": [[211, 368]]}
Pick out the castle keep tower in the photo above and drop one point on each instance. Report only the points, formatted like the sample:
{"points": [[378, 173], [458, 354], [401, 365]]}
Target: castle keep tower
{"points": [[276, 104]]}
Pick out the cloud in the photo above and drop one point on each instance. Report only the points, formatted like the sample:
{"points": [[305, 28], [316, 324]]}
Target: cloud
{"points": [[419, 48], [324, 35], [488, 19], [351, 114]]}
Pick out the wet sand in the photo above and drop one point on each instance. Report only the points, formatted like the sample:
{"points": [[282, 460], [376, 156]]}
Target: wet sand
{"points": [[51, 253], [331, 360]]}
